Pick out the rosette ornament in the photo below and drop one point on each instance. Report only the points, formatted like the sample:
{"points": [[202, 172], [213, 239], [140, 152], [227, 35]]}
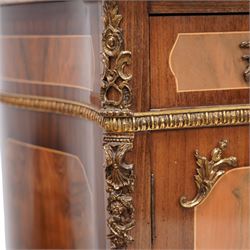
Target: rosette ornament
{"points": [[115, 90]]}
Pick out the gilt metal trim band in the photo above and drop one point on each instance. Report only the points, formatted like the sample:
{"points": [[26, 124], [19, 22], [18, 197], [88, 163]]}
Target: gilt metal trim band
{"points": [[52, 105], [208, 173], [122, 122], [197, 117]]}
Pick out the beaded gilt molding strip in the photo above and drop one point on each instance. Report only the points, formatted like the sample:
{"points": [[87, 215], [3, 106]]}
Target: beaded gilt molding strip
{"points": [[52, 105], [197, 117]]}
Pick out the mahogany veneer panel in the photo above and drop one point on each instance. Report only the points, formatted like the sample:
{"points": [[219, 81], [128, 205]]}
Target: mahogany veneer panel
{"points": [[173, 165], [163, 33], [135, 14], [223, 220], [46, 18], [43, 49], [70, 136], [196, 6], [48, 200], [50, 60]]}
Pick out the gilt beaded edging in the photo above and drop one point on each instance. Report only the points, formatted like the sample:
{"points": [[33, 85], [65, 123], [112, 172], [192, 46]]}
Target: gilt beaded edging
{"points": [[52, 105], [197, 117]]}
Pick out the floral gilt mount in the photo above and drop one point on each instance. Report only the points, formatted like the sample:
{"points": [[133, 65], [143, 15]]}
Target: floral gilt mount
{"points": [[115, 81], [208, 173], [116, 98]]}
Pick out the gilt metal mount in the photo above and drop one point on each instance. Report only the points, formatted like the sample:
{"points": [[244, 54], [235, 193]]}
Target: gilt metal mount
{"points": [[208, 173], [116, 98], [246, 74]]}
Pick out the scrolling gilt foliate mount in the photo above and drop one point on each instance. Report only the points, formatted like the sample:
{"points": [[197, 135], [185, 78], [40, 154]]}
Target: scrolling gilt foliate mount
{"points": [[120, 124], [246, 74], [208, 173], [116, 98]]}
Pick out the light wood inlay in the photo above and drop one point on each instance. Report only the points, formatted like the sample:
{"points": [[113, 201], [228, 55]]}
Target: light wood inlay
{"points": [[47, 195], [54, 60], [208, 61], [173, 165], [222, 221], [163, 34]]}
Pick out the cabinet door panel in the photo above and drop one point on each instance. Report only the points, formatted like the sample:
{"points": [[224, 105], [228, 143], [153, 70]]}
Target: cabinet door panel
{"points": [[173, 165]]}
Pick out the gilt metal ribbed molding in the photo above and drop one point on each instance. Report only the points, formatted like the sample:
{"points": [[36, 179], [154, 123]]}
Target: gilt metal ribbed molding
{"points": [[52, 105], [197, 117], [119, 122]]}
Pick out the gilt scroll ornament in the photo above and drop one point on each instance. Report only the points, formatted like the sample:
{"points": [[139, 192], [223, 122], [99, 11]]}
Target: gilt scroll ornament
{"points": [[115, 59], [116, 98], [246, 73], [120, 186], [120, 121], [208, 173]]}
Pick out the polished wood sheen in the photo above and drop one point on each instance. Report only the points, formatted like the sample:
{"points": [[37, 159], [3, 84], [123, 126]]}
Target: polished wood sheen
{"points": [[223, 220], [49, 60], [54, 211], [45, 188], [168, 156], [55, 133], [47, 37], [163, 33], [173, 163], [208, 61], [196, 6], [135, 18]]}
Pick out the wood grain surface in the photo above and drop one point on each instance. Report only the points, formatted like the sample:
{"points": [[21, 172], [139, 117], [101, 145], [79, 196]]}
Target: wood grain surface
{"points": [[50, 60], [172, 159], [47, 18], [196, 6], [43, 47], [212, 61], [44, 191], [164, 30], [173, 165], [223, 220], [136, 32], [70, 136]]}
